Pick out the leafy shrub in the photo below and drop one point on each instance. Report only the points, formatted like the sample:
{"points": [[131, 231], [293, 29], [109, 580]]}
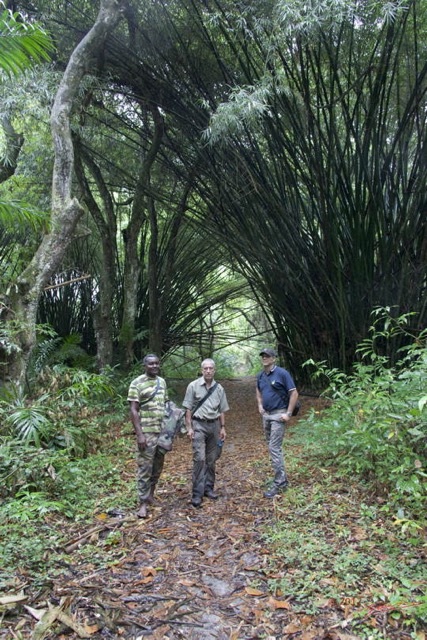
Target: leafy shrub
{"points": [[27, 468], [377, 424], [66, 417], [53, 350]]}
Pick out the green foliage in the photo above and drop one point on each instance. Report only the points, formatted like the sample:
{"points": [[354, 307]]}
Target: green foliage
{"points": [[28, 423], [325, 545], [19, 214], [334, 539], [54, 484], [46, 472], [245, 107], [63, 417], [30, 505], [22, 43], [377, 424], [27, 468]]}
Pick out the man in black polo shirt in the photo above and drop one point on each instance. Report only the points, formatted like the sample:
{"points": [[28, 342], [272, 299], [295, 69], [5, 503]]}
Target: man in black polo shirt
{"points": [[276, 397]]}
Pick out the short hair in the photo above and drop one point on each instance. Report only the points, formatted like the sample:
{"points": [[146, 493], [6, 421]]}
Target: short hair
{"points": [[207, 360], [149, 355]]}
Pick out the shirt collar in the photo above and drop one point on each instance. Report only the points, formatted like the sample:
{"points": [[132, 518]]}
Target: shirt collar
{"points": [[267, 373]]}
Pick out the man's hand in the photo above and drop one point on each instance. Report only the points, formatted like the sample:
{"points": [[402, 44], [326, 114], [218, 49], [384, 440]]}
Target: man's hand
{"points": [[141, 442], [285, 417], [261, 409], [190, 432]]}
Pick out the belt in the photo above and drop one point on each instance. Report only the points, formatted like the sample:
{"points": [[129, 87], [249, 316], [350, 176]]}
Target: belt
{"points": [[283, 410], [205, 419]]}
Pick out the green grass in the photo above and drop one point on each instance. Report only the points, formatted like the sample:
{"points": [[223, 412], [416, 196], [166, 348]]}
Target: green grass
{"points": [[334, 543]]}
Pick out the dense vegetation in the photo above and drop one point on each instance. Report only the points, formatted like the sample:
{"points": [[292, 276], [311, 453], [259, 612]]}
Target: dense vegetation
{"points": [[199, 178]]}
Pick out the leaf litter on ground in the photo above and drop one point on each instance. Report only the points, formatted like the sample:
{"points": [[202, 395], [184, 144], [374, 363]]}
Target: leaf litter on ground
{"points": [[319, 562]]}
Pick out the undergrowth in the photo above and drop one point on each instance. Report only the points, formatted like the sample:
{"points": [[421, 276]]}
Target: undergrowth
{"points": [[350, 532], [376, 426]]}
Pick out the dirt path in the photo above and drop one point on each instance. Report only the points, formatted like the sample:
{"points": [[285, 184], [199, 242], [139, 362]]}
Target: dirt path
{"points": [[194, 574], [198, 574]]}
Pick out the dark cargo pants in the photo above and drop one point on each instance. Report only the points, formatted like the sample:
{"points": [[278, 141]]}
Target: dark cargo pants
{"points": [[205, 454], [150, 465]]}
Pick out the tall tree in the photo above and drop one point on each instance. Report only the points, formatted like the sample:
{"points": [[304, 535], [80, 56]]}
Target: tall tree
{"points": [[66, 210], [313, 184]]}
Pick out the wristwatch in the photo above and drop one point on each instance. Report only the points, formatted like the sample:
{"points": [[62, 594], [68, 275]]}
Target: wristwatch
{"points": [[289, 413]]}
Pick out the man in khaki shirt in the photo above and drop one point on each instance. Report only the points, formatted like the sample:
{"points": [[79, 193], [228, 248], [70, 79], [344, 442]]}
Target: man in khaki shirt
{"points": [[205, 403]]}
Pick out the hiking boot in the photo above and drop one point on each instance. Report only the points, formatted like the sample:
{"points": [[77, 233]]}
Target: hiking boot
{"points": [[211, 494], [275, 490], [196, 502]]}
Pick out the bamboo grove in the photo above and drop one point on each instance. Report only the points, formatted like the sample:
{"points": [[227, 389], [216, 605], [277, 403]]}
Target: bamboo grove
{"points": [[274, 150]]}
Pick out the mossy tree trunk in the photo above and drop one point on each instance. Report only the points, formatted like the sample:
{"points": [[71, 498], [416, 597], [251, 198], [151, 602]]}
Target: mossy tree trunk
{"points": [[66, 209]]}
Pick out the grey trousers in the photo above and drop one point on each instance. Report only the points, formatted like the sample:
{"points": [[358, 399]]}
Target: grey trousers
{"points": [[150, 466], [274, 431], [205, 454]]}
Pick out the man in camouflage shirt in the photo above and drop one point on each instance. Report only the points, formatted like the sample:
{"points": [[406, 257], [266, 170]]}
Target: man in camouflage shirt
{"points": [[147, 396]]}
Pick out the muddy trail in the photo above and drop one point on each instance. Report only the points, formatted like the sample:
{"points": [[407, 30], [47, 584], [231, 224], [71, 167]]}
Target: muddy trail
{"points": [[185, 572]]}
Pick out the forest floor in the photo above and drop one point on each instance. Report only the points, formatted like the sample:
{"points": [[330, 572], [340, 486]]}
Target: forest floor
{"points": [[209, 573]]}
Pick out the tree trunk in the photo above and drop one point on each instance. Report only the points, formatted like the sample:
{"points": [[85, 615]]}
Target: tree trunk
{"points": [[66, 210], [14, 142], [155, 338], [106, 223], [132, 267]]}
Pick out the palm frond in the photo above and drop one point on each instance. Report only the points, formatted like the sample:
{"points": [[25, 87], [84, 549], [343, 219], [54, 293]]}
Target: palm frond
{"points": [[19, 214], [21, 43]]}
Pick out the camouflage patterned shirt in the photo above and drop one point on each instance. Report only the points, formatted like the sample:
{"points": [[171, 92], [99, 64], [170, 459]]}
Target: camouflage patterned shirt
{"points": [[151, 409]]}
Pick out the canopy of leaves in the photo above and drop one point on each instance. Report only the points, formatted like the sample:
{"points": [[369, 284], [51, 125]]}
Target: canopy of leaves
{"points": [[313, 179]]}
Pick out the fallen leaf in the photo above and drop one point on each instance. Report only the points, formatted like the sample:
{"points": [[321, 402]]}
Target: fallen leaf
{"points": [[9, 602], [146, 580], [44, 624], [254, 592], [73, 624], [235, 634], [280, 604], [91, 628], [36, 613]]}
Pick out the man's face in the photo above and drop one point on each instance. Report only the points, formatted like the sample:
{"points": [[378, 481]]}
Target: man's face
{"points": [[267, 361], [152, 367], [208, 371]]}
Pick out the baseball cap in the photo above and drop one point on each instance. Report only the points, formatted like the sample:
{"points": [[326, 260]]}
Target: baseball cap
{"points": [[268, 352]]}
